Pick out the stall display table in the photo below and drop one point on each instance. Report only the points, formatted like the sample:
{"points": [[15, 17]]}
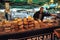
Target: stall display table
{"points": [[43, 34]]}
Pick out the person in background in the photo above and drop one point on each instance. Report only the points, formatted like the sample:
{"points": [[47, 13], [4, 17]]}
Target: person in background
{"points": [[39, 15], [7, 14]]}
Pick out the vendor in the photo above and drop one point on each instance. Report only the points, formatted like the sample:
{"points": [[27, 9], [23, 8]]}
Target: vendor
{"points": [[39, 15]]}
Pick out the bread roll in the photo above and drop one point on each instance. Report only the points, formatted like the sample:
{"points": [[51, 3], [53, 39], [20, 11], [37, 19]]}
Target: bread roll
{"points": [[20, 23], [15, 19], [1, 28], [50, 24], [12, 26], [19, 20], [7, 30], [37, 25], [31, 22], [13, 30], [30, 18], [43, 25], [25, 19], [21, 27], [31, 26], [25, 22], [16, 28], [25, 27]]}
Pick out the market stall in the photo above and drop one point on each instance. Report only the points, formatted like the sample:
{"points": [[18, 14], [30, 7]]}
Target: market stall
{"points": [[28, 28]]}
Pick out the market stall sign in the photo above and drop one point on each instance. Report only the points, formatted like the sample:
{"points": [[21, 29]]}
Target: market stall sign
{"points": [[37, 37]]}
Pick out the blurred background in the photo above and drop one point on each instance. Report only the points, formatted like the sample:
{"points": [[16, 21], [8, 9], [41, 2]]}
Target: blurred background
{"points": [[25, 8]]}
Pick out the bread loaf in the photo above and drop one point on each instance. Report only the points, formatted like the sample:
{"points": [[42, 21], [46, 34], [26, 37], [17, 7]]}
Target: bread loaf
{"points": [[21, 27]]}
